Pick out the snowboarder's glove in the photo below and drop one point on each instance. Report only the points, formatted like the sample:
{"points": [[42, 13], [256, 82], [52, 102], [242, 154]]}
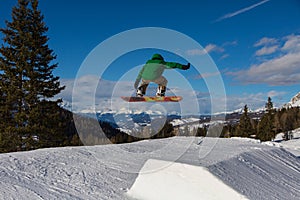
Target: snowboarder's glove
{"points": [[186, 67], [136, 84]]}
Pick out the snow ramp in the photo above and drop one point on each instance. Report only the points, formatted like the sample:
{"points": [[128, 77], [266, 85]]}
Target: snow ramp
{"points": [[262, 174], [179, 181]]}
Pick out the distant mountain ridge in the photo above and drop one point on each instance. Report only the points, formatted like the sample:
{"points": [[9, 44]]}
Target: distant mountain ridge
{"points": [[144, 116], [295, 101]]}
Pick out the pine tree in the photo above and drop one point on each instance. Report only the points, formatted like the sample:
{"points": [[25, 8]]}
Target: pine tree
{"points": [[201, 131], [27, 80], [266, 126], [244, 128], [269, 105], [225, 132]]}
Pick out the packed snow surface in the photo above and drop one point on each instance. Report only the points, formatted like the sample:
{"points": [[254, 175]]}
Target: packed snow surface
{"points": [[179, 181], [243, 168], [292, 146]]}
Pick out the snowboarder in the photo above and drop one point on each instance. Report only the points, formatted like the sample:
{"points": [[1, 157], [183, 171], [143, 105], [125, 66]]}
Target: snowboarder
{"points": [[152, 72]]}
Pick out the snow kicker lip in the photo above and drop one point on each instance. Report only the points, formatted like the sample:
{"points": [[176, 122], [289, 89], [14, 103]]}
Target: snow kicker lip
{"points": [[179, 181]]}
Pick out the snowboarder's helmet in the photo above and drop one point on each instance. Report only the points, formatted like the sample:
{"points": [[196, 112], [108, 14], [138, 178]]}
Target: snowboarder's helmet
{"points": [[157, 57]]}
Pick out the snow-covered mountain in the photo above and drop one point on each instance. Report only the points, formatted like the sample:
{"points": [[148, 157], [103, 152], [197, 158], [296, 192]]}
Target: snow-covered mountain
{"points": [[133, 120], [172, 168], [294, 102], [127, 120]]}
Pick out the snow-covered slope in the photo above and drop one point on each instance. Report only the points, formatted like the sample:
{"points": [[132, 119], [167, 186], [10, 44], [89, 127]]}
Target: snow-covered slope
{"points": [[186, 180], [292, 146], [248, 167], [295, 101]]}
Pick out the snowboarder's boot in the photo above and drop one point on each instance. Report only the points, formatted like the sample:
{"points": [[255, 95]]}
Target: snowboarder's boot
{"points": [[141, 91], [161, 90]]}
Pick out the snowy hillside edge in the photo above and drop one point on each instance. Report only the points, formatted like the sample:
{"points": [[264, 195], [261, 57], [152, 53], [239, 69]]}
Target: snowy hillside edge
{"points": [[248, 168]]}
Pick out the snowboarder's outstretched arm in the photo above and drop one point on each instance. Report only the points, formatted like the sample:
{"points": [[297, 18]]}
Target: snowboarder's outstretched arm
{"points": [[172, 65]]}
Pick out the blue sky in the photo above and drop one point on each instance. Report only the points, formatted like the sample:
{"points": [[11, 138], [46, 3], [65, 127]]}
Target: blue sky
{"points": [[254, 43]]}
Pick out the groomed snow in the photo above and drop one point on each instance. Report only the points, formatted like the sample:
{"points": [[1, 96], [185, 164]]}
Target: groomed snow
{"points": [[292, 146], [179, 181], [108, 172]]}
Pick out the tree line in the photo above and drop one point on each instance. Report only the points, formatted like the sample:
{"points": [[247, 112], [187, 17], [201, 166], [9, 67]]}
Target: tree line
{"points": [[94, 132], [265, 128]]}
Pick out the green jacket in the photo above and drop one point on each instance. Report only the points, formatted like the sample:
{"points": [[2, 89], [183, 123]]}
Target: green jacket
{"points": [[155, 67]]}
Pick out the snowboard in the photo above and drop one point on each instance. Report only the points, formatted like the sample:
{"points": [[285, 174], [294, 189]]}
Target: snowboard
{"points": [[153, 99]]}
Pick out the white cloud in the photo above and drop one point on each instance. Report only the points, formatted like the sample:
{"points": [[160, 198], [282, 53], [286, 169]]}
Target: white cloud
{"points": [[208, 49], [224, 56], [85, 87], [278, 94], [208, 75], [86, 92], [253, 101], [229, 15], [268, 46], [266, 50], [292, 43], [194, 52], [212, 47], [283, 69], [265, 41], [230, 43]]}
